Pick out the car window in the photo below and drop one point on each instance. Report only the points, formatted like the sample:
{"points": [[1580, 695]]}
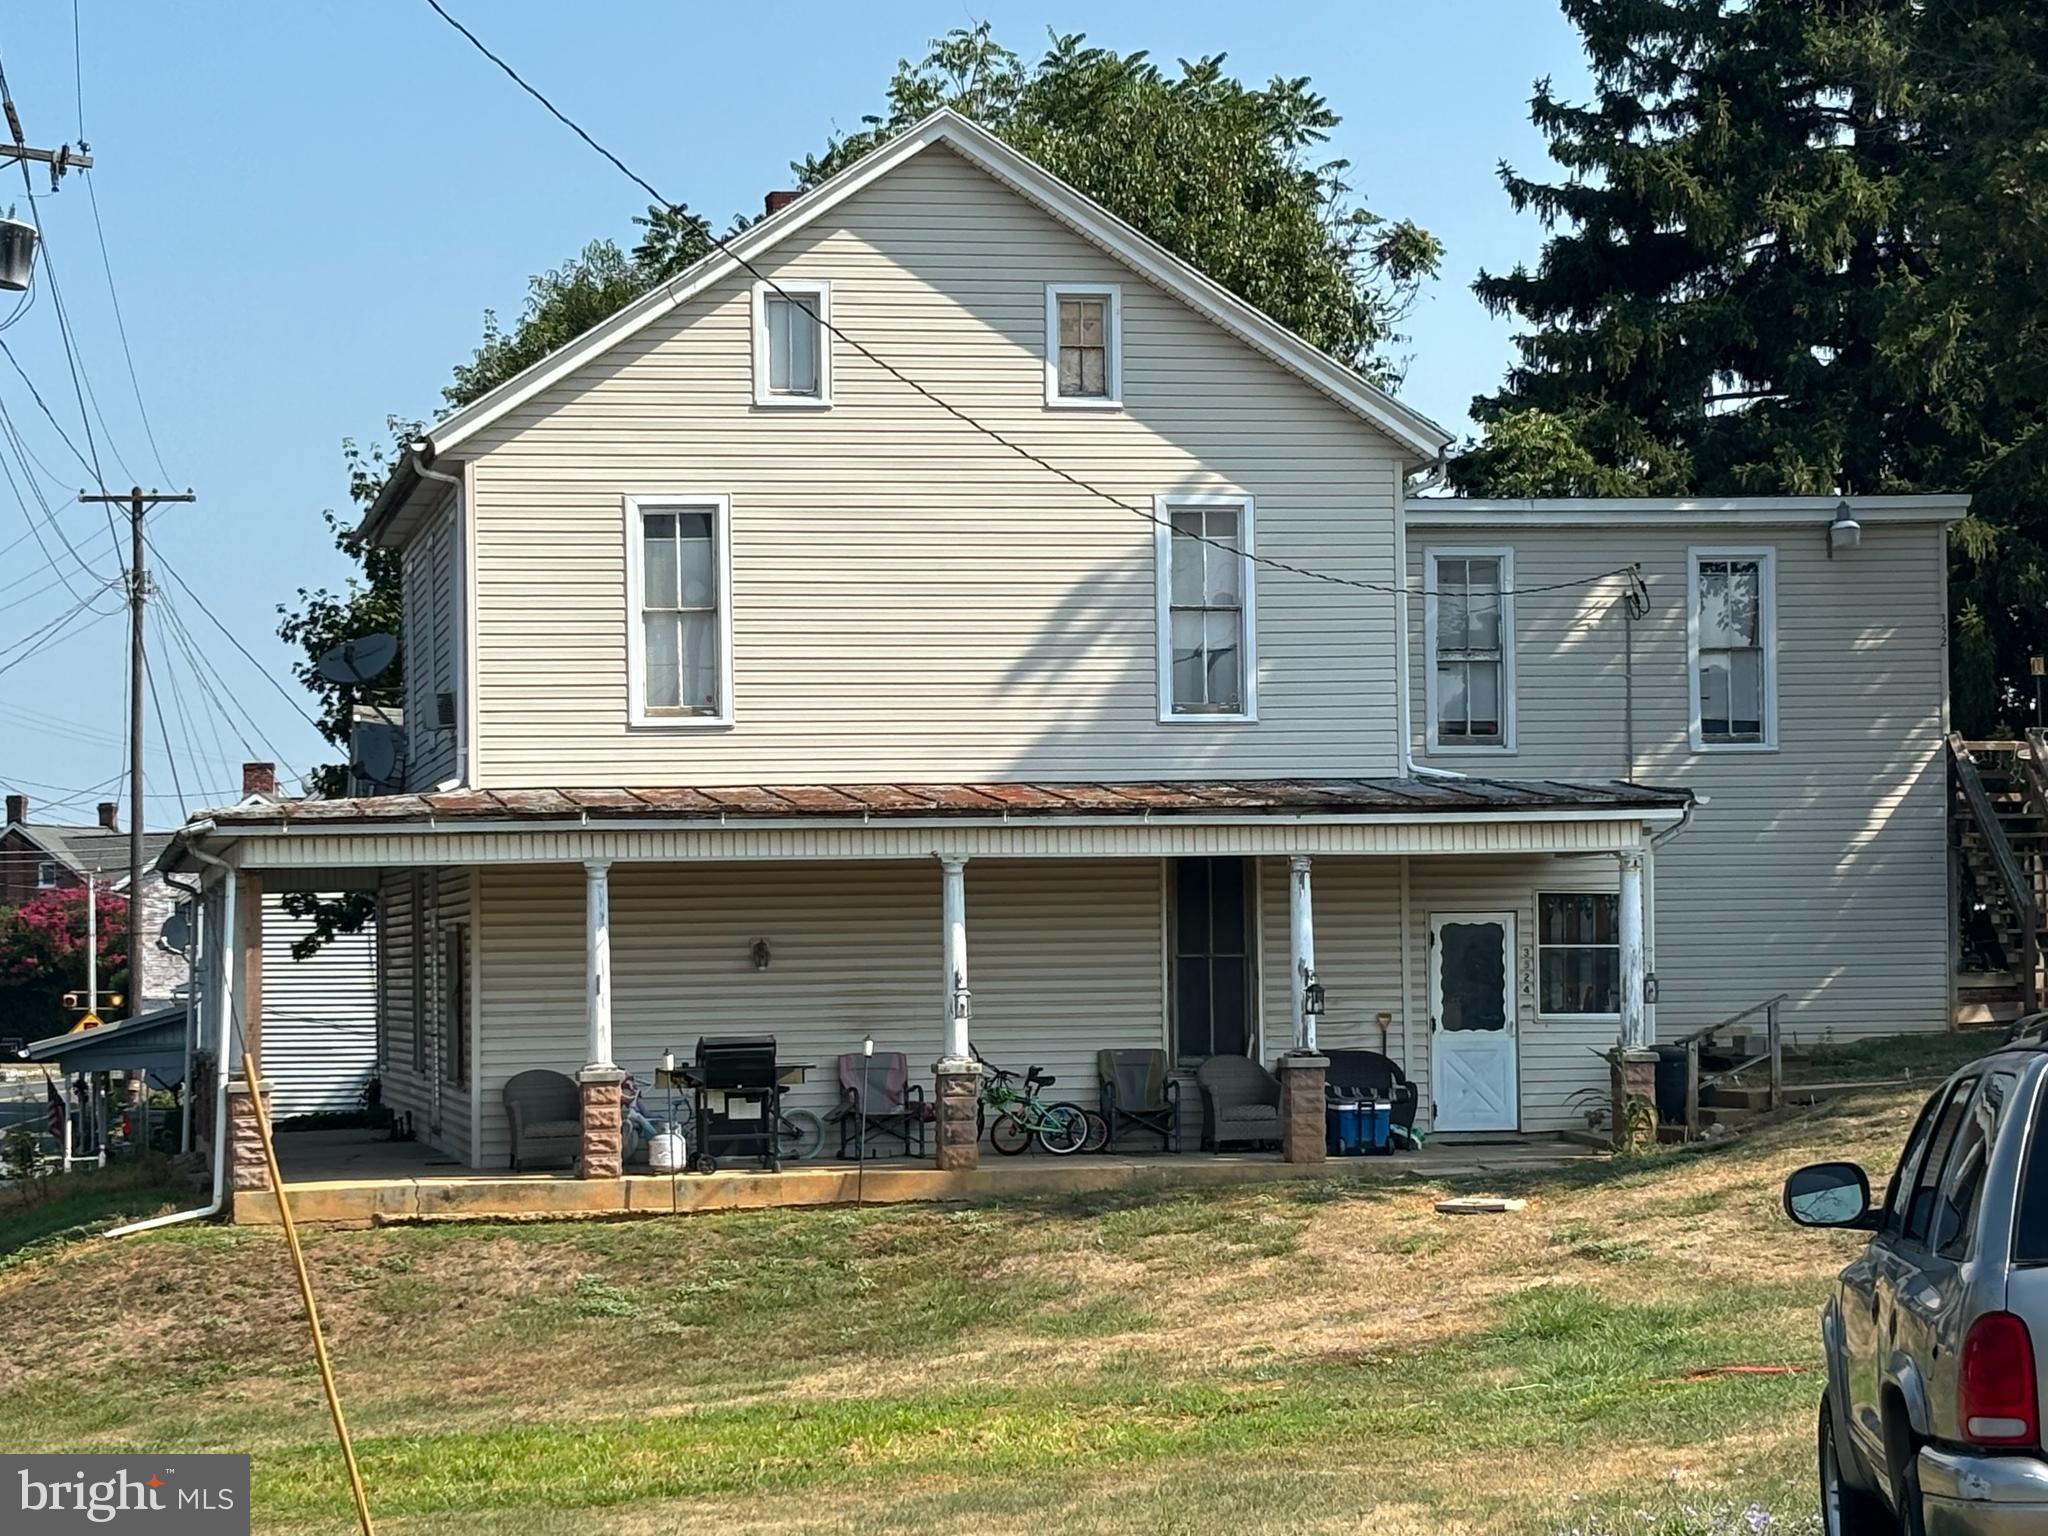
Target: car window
{"points": [[1963, 1185], [1909, 1166], [1926, 1182], [2030, 1231]]}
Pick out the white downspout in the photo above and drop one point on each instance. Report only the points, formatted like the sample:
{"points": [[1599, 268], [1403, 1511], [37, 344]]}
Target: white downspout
{"points": [[1409, 767], [223, 1035]]}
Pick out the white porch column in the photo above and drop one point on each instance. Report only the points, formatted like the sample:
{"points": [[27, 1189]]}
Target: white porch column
{"points": [[597, 962], [953, 917], [1301, 931], [1635, 1023]]}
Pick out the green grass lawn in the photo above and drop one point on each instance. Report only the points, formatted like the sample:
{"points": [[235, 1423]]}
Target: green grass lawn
{"points": [[1297, 1356], [1905, 1057]]}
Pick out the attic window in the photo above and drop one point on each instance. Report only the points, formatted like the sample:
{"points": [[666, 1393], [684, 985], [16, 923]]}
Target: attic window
{"points": [[1083, 345], [792, 343], [46, 874]]}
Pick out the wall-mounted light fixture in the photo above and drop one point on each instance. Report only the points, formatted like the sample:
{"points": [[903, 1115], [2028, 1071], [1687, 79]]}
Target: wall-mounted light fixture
{"points": [[1844, 532], [761, 953]]}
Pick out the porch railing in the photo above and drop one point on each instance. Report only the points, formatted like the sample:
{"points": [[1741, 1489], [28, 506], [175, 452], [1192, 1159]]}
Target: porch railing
{"points": [[1773, 1052]]}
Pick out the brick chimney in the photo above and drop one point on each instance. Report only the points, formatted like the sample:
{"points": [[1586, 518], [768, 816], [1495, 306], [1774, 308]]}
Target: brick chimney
{"points": [[110, 815], [259, 779], [17, 808], [775, 202]]}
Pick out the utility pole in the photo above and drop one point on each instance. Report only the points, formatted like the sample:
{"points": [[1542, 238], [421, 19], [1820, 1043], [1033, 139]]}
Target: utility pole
{"points": [[92, 944], [139, 503]]}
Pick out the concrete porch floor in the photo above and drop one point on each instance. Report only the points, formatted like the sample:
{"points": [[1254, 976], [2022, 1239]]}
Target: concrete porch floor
{"points": [[353, 1178]]}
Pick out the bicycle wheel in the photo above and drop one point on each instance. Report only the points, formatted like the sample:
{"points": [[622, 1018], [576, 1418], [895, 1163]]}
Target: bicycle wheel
{"points": [[1065, 1130], [1098, 1133], [1007, 1135], [799, 1135]]}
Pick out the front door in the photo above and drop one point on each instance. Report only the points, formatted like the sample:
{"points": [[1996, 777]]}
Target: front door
{"points": [[1473, 1075]]}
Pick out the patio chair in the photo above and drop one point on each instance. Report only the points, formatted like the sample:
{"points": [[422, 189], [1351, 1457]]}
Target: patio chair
{"points": [[893, 1107], [1240, 1103], [1138, 1093], [546, 1112], [1375, 1074]]}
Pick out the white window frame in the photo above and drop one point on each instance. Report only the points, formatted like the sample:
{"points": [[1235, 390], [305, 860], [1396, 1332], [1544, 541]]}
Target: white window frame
{"points": [[1506, 556], [796, 288], [636, 507], [1163, 508], [46, 874], [1113, 365], [1766, 557], [1541, 1011]]}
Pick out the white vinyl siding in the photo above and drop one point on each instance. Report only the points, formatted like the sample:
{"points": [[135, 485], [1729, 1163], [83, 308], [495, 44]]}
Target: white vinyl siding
{"points": [[430, 571], [1084, 345], [792, 342], [1818, 870], [679, 640], [911, 600], [319, 1016], [417, 907], [1469, 649], [1208, 608], [1732, 643]]}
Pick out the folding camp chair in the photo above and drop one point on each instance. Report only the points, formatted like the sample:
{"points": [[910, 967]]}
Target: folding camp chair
{"points": [[877, 1098], [1138, 1093]]}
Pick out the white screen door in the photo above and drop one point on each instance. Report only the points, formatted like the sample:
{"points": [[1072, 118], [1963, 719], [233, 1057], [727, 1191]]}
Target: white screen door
{"points": [[1474, 1079]]}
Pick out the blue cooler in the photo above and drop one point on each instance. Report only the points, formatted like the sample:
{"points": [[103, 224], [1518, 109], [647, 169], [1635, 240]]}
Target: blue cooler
{"points": [[1357, 1127]]}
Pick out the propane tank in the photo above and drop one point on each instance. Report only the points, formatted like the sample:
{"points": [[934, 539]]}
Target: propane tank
{"points": [[665, 1153]]}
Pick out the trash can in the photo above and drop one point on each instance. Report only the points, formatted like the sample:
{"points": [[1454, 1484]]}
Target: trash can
{"points": [[1671, 1074]]}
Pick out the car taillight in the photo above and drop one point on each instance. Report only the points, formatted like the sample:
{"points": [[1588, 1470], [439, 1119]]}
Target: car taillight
{"points": [[1996, 1395]]}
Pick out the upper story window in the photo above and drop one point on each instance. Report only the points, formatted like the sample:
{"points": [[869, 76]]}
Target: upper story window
{"points": [[679, 634], [1208, 633], [792, 345], [1084, 344], [46, 874], [1468, 620], [1731, 638]]}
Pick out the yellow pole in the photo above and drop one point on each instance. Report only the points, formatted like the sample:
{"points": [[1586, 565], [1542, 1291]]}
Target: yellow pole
{"points": [[291, 1240]]}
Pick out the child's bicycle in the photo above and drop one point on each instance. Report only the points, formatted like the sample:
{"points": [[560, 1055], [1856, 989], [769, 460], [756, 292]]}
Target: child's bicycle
{"points": [[1018, 1115]]}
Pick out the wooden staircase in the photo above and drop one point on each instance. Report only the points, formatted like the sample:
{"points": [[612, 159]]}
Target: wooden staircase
{"points": [[1998, 825]]}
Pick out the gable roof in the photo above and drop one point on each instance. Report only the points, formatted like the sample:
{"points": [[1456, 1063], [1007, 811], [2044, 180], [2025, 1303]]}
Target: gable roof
{"points": [[78, 848], [1087, 218]]}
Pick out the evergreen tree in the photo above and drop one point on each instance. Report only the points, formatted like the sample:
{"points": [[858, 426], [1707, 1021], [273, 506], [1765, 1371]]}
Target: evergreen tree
{"points": [[1788, 256]]}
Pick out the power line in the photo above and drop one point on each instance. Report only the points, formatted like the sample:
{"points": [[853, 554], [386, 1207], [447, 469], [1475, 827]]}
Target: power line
{"points": [[121, 329], [247, 655], [993, 434], [199, 659], [163, 733]]}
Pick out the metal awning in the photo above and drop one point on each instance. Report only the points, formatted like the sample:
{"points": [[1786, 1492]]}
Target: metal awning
{"points": [[153, 1042]]}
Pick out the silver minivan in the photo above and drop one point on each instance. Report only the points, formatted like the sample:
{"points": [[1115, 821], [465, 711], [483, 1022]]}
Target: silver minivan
{"points": [[1930, 1423]]}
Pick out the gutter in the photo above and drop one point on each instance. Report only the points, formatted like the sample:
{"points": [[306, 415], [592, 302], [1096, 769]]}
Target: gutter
{"points": [[220, 1085], [192, 953]]}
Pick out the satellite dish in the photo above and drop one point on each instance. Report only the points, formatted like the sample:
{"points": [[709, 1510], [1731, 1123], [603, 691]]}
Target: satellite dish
{"points": [[379, 755], [176, 937], [357, 661]]}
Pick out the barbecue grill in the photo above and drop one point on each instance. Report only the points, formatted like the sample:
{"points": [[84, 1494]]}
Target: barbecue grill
{"points": [[739, 1100]]}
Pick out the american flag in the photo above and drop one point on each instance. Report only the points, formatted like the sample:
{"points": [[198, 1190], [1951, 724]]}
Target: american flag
{"points": [[56, 1111]]}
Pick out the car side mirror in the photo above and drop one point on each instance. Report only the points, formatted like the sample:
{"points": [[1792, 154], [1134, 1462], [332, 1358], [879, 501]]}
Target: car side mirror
{"points": [[1830, 1195]]}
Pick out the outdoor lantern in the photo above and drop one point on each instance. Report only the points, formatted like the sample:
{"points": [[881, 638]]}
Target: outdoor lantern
{"points": [[867, 1045], [1844, 532], [1312, 997], [762, 954], [17, 254]]}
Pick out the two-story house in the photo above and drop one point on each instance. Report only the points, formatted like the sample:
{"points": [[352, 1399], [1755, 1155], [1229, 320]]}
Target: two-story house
{"points": [[944, 616]]}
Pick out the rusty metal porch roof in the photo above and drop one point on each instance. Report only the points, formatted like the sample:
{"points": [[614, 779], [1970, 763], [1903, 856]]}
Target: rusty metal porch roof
{"points": [[979, 801]]}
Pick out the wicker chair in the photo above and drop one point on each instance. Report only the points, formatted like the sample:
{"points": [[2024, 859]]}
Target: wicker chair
{"points": [[546, 1112], [1240, 1103]]}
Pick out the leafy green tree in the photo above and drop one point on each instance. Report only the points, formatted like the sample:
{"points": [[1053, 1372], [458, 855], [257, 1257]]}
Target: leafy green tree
{"points": [[1795, 249]]}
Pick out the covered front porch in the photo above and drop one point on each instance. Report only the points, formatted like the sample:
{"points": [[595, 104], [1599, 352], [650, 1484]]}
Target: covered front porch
{"points": [[592, 935]]}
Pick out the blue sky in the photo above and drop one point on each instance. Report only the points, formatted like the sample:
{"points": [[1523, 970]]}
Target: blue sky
{"points": [[308, 207]]}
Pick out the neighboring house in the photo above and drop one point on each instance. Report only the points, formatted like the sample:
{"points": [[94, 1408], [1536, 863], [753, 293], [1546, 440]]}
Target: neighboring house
{"points": [[749, 690], [41, 856]]}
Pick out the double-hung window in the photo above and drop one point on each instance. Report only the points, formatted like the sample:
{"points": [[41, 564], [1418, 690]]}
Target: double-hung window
{"points": [[792, 342], [1469, 634], [1578, 954], [1208, 645], [679, 634], [1731, 633], [46, 874], [1084, 344]]}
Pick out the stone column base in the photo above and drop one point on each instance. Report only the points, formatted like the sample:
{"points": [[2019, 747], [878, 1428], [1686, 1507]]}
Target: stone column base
{"points": [[957, 1140], [1301, 1108], [1631, 1078], [247, 1172], [603, 1154]]}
